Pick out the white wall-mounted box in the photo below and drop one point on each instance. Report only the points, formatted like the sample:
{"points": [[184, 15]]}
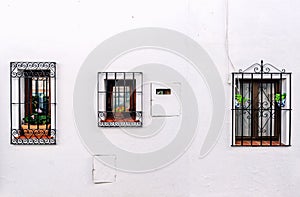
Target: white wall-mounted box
{"points": [[103, 174], [165, 99]]}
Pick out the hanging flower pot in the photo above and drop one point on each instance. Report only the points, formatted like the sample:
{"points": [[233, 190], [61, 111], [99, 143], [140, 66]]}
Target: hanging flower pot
{"points": [[280, 99]]}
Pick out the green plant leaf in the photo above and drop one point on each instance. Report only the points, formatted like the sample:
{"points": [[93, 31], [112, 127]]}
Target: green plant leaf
{"points": [[240, 98], [280, 97]]}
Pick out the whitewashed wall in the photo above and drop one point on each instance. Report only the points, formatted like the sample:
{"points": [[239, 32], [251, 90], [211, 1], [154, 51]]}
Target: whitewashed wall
{"points": [[67, 31]]}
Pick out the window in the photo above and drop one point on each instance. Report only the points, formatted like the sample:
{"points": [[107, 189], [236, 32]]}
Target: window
{"points": [[261, 106], [33, 100], [120, 99]]}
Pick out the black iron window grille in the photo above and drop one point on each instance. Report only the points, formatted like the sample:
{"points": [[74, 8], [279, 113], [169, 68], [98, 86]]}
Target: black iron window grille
{"points": [[120, 97], [33, 103], [261, 106]]}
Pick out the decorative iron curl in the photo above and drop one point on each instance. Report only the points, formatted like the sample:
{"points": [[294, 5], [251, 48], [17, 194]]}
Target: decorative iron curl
{"points": [[264, 114], [264, 105], [33, 139], [53, 134], [20, 141], [248, 115], [262, 68], [15, 133], [25, 141], [257, 69], [30, 141], [18, 69], [14, 141], [266, 69], [139, 115], [102, 115]]}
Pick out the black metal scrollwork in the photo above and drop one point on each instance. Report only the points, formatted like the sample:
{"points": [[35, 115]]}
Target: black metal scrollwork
{"points": [[262, 68], [36, 69]]}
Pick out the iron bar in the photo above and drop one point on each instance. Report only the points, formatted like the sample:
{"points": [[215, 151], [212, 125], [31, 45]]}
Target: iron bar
{"points": [[290, 108], [233, 110], [19, 100], [242, 103], [280, 106], [261, 104], [252, 103], [271, 111]]}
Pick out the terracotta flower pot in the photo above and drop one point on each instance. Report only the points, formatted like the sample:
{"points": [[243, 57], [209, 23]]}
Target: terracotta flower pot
{"points": [[37, 131], [34, 126]]}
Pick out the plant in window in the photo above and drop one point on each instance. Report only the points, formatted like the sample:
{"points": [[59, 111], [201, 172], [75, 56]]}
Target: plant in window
{"points": [[239, 99], [35, 119], [280, 99], [39, 115]]}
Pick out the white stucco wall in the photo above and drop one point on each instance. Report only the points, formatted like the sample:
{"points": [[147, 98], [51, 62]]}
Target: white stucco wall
{"points": [[67, 31]]}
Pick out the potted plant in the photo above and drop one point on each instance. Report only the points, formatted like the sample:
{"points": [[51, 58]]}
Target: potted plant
{"points": [[240, 100], [38, 120], [280, 99]]}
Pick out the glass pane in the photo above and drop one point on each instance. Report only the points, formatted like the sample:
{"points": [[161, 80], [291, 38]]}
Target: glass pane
{"points": [[138, 81], [40, 95], [243, 114], [101, 81], [121, 98], [138, 101], [37, 108]]}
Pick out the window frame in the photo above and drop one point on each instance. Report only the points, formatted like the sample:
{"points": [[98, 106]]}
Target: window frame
{"points": [[31, 126], [108, 116], [270, 114]]}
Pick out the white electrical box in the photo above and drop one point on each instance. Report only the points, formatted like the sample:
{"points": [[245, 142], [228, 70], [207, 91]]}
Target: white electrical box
{"points": [[165, 99]]}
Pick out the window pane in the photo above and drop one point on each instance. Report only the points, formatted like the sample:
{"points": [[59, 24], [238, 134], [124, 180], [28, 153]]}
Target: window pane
{"points": [[121, 98]]}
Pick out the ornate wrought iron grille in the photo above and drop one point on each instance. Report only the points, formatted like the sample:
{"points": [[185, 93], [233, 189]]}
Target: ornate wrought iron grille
{"points": [[261, 106], [120, 96], [33, 103]]}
